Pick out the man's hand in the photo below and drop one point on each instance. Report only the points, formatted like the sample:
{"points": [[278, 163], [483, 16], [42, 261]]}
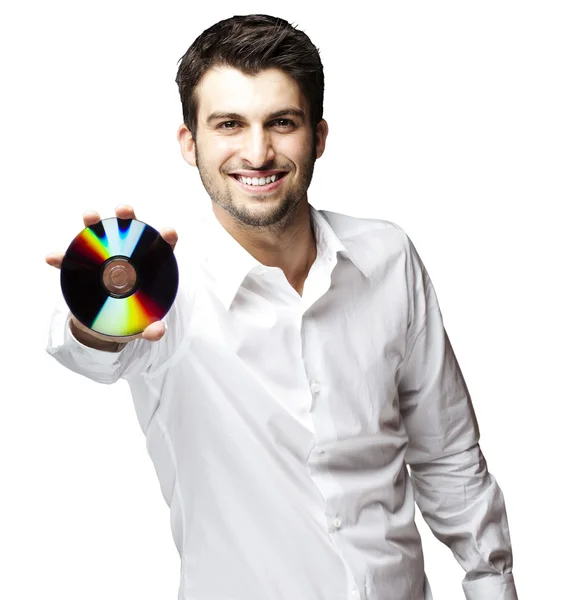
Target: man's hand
{"points": [[153, 332]]}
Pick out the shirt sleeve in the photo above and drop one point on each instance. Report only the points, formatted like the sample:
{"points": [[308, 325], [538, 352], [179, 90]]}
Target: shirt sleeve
{"points": [[458, 497], [98, 365]]}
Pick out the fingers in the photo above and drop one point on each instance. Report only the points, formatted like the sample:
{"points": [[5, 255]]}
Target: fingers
{"points": [[125, 211], [154, 332], [54, 259], [169, 235], [90, 217]]}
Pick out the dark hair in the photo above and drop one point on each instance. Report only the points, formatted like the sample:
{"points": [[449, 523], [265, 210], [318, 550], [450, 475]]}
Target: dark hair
{"points": [[252, 43]]}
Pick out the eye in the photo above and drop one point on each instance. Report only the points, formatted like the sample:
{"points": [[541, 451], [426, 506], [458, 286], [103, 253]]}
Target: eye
{"points": [[284, 123], [228, 124]]}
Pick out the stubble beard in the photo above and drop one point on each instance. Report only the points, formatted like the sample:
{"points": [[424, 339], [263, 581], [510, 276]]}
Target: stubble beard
{"points": [[279, 216]]}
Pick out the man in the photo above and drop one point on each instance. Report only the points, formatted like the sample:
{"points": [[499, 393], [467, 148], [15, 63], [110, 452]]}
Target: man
{"points": [[302, 367]]}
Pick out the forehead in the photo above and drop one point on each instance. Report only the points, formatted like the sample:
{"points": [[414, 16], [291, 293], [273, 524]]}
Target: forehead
{"points": [[227, 89]]}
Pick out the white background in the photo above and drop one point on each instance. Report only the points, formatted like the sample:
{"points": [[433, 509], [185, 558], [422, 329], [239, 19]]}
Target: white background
{"points": [[445, 117]]}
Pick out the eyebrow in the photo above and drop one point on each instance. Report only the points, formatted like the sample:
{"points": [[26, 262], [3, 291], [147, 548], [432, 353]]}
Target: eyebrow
{"points": [[285, 112]]}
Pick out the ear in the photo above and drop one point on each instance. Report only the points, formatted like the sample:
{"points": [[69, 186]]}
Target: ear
{"points": [[321, 135], [187, 145]]}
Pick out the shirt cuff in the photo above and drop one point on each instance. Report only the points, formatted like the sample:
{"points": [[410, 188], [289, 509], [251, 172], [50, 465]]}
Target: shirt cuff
{"points": [[98, 356], [492, 587]]}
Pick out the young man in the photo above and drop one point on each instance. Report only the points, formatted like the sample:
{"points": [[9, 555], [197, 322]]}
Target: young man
{"points": [[302, 367]]}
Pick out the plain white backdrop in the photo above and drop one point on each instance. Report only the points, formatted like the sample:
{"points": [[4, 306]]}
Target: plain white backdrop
{"points": [[445, 117]]}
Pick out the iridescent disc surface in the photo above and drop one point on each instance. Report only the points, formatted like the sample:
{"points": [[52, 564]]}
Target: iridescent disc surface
{"points": [[119, 276]]}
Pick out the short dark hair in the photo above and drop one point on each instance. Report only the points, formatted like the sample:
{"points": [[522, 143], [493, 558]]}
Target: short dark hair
{"points": [[252, 43]]}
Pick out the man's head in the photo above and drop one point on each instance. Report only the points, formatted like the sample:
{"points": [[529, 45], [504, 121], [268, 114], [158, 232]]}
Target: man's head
{"points": [[252, 92]]}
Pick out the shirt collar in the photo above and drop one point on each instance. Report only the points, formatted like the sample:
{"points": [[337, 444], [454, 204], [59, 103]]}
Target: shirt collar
{"points": [[328, 242], [228, 263]]}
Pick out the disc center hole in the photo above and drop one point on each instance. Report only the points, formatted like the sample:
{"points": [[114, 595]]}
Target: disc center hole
{"points": [[119, 276]]}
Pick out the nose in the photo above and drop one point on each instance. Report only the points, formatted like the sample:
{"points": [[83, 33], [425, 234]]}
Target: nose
{"points": [[257, 148]]}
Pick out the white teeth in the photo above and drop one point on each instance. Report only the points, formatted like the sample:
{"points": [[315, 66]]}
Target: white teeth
{"points": [[258, 181]]}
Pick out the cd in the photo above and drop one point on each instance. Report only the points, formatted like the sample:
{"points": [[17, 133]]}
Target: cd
{"points": [[118, 276]]}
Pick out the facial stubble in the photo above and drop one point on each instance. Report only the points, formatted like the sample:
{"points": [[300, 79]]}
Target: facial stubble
{"points": [[280, 216]]}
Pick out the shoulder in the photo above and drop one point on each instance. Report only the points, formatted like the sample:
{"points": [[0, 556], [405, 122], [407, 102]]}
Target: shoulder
{"points": [[369, 239]]}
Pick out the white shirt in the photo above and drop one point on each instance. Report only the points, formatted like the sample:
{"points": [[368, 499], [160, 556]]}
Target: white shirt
{"points": [[280, 426]]}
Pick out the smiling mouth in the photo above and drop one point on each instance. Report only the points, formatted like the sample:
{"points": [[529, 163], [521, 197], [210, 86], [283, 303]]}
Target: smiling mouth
{"points": [[259, 184], [259, 181]]}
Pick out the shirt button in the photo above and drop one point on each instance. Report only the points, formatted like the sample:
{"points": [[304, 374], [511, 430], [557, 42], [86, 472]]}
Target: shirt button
{"points": [[315, 387], [336, 523]]}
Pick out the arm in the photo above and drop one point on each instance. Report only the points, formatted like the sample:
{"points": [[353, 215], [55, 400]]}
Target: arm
{"points": [[457, 496], [107, 360], [104, 366]]}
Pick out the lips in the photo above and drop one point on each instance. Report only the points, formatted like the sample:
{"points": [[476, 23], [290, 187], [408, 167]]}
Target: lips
{"points": [[259, 173], [260, 189]]}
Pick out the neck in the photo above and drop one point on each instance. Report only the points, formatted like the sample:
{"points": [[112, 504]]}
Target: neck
{"points": [[291, 247]]}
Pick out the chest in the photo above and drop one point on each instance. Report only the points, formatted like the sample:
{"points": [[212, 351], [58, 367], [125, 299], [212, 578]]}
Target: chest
{"points": [[327, 361]]}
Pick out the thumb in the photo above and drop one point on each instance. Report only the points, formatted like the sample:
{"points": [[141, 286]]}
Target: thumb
{"points": [[155, 331]]}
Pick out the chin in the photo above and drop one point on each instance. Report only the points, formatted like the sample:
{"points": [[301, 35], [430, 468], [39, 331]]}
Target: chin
{"points": [[265, 215]]}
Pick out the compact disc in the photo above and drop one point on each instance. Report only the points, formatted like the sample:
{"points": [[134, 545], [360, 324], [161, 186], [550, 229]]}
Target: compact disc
{"points": [[118, 276]]}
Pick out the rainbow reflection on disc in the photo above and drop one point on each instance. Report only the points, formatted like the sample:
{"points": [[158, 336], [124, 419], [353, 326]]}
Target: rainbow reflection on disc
{"points": [[118, 276]]}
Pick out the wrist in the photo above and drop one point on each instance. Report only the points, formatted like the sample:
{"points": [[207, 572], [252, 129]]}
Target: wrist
{"points": [[92, 341]]}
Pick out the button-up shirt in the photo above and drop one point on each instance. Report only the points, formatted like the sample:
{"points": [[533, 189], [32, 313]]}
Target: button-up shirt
{"points": [[282, 426]]}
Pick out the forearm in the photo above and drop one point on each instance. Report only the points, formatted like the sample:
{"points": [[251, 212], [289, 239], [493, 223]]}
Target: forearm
{"points": [[108, 363], [101, 365], [463, 505], [458, 498]]}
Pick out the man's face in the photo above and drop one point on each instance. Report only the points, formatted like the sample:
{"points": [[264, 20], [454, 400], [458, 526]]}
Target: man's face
{"points": [[253, 127]]}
